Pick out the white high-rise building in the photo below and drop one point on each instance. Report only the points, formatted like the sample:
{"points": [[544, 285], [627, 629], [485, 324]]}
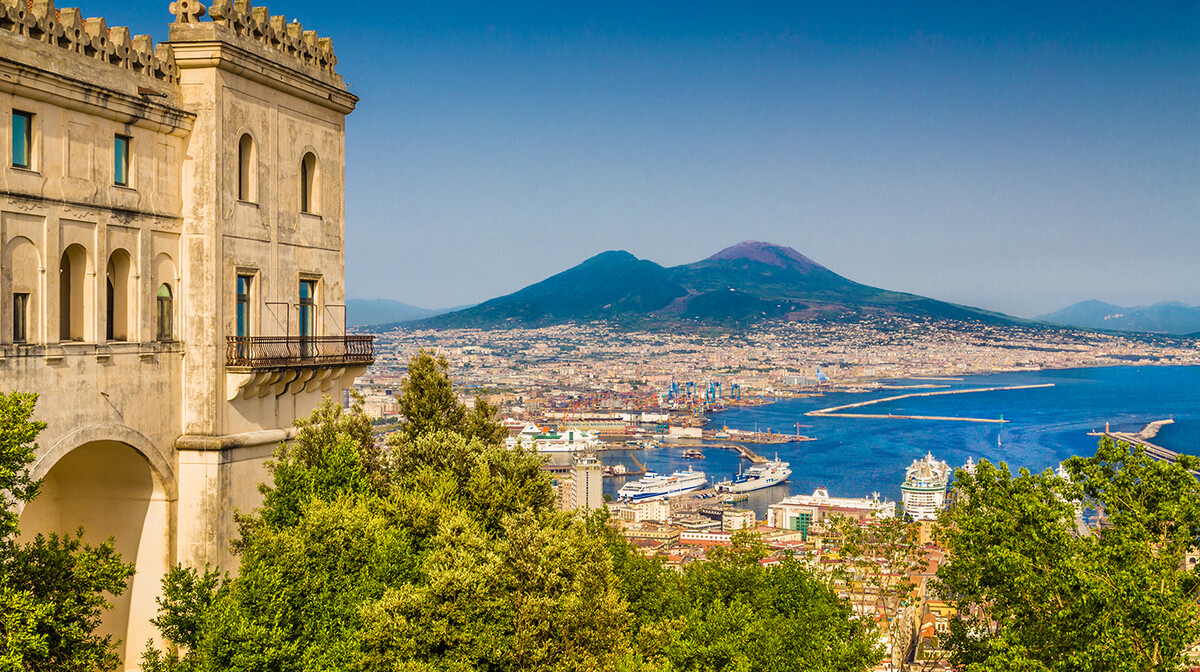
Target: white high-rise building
{"points": [[587, 483]]}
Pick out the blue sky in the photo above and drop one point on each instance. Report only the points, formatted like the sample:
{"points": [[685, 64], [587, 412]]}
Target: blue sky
{"points": [[1015, 156]]}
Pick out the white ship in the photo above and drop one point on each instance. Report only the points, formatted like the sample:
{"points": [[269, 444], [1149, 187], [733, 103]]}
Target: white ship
{"points": [[658, 486], [924, 488], [757, 477], [566, 441]]}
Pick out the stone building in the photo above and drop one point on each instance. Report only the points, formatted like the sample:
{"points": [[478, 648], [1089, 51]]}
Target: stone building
{"points": [[171, 269]]}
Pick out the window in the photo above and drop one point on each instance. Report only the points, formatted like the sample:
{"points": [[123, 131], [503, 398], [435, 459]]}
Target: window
{"points": [[246, 172], [20, 318], [164, 313], [308, 315], [308, 183], [121, 160], [22, 139], [243, 304], [74, 297]]}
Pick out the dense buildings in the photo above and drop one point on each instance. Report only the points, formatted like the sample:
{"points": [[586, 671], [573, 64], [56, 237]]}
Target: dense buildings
{"points": [[171, 269]]}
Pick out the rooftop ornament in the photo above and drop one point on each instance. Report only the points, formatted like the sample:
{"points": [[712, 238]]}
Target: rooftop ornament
{"points": [[256, 23], [66, 28]]}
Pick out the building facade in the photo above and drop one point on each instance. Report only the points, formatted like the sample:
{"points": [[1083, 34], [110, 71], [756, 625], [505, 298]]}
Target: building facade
{"points": [[172, 244], [800, 512]]}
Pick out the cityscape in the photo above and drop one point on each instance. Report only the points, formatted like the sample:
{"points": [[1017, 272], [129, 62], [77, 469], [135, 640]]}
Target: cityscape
{"points": [[735, 461]]}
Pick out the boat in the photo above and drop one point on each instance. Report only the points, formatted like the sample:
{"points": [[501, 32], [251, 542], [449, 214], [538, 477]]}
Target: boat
{"points": [[566, 441], [693, 454], [757, 477], [924, 487], [660, 486]]}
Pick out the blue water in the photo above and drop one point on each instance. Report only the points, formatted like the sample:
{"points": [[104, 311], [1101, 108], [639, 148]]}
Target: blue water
{"points": [[855, 457]]}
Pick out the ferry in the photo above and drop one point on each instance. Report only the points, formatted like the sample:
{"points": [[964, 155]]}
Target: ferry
{"points": [[566, 441], [660, 486], [693, 454], [757, 477]]}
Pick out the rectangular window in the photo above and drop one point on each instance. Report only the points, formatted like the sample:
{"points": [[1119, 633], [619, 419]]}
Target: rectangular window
{"points": [[20, 318], [308, 315], [243, 304], [22, 139], [121, 160]]}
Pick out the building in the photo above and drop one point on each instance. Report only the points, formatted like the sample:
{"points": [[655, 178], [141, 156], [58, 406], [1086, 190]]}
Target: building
{"points": [[733, 520], [587, 483], [924, 488], [171, 270], [801, 512]]}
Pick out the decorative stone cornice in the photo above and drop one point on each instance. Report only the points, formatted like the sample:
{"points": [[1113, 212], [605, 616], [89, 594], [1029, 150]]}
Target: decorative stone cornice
{"points": [[66, 28], [256, 23]]}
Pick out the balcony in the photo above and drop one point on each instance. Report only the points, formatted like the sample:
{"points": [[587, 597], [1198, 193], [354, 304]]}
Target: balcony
{"points": [[258, 352], [256, 366]]}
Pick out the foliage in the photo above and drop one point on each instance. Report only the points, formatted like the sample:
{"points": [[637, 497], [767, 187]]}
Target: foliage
{"points": [[52, 587], [1038, 589], [443, 551], [877, 560]]}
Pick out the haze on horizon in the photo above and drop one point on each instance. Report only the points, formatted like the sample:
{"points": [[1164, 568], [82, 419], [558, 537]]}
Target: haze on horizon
{"points": [[1012, 156]]}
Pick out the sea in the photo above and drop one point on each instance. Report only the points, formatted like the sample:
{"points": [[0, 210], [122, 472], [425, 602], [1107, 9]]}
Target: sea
{"points": [[856, 457]]}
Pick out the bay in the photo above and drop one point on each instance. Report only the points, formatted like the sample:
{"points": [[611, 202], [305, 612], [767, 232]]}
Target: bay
{"points": [[855, 457]]}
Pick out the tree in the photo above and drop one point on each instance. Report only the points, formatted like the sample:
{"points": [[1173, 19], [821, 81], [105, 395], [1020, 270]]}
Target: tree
{"points": [[428, 404], [52, 588], [1038, 589]]}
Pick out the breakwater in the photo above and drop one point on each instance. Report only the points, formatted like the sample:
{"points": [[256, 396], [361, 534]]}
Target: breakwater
{"points": [[837, 411]]}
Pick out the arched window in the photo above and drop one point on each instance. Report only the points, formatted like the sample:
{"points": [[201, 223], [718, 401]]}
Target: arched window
{"points": [[308, 184], [164, 311], [247, 170], [119, 306], [73, 294]]}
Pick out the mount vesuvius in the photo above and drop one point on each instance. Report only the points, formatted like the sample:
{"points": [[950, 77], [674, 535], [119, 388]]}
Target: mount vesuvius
{"points": [[740, 285]]}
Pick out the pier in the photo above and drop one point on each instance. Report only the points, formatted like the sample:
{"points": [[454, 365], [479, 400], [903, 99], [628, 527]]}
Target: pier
{"points": [[836, 411], [1142, 438]]}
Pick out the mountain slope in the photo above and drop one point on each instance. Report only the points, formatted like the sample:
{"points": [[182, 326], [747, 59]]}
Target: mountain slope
{"points": [[1169, 317], [746, 283], [611, 285]]}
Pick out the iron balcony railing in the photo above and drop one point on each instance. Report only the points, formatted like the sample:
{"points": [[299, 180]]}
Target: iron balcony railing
{"points": [[273, 351]]}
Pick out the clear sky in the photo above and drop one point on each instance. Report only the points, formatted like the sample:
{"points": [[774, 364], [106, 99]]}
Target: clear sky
{"points": [[1017, 156]]}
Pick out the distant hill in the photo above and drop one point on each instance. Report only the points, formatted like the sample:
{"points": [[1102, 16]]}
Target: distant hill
{"points": [[747, 283], [1170, 317], [361, 312]]}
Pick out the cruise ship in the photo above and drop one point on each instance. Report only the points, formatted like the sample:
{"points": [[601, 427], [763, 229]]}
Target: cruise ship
{"points": [[658, 486], [757, 477], [924, 488]]}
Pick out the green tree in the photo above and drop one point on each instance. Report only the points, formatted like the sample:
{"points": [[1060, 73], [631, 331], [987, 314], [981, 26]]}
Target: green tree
{"points": [[1038, 589], [52, 588], [428, 404]]}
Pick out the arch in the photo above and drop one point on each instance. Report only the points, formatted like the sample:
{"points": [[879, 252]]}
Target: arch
{"points": [[121, 297], [247, 187], [74, 294], [20, 276], [113, 482], [310, 184]]}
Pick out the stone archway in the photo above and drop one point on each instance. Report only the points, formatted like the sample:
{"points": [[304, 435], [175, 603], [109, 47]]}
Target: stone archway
{"points": [[114, 484]]}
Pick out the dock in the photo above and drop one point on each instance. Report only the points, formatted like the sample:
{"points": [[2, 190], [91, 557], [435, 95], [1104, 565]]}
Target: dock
{"points": [[836, 411]]}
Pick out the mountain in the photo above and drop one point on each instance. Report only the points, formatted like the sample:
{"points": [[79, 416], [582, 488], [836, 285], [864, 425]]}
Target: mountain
{"points": [[749, 282], [1171, 317], [361, 312]]}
